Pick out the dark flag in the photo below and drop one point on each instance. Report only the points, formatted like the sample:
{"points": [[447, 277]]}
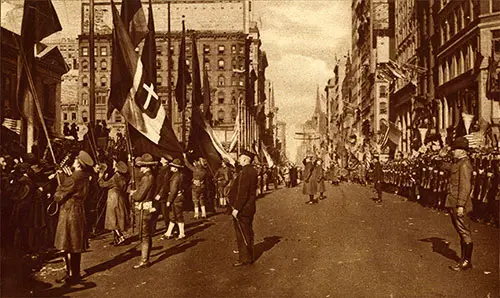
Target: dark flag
{"points": [[142, 107], [183, 77], [391, 135], [197, 96], [134, 20], [39, 21], [206, 96], [493, 80]]}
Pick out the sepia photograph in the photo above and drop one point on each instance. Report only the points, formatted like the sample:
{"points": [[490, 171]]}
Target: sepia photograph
{"points": [[250, 148]]}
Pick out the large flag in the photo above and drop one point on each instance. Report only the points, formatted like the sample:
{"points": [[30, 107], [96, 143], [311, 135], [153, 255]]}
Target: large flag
{"points": [[493, 80], [391, 134], [142, 107], [197, 96], [134, 20], [270, 162], [206, 96], [39, 21], [183, 77]]}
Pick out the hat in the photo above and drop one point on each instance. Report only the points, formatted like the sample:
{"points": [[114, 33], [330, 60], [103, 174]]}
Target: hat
{"points": [[460, 143], [85, 158], [122, 167], [36, 168], [176, 163], [247, 153], [145, 160]]}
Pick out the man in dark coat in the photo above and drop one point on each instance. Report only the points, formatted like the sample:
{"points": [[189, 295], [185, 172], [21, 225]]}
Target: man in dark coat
{"points": [[161, 190], [242, 198], [378, 177], [310, 186], [143, 198], [458, 202]]}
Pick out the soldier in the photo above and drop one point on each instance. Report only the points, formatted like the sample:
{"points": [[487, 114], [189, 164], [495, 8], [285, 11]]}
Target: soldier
{"points": [[222, 178], [378, 177], [200, 173], [458, 200], [319, 178], [71, 235], [143, 198], [242, 198], [175, 200], [162, 189]]}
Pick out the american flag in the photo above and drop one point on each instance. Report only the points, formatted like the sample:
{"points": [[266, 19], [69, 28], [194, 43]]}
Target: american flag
{"points": [[13, 125], [476, 139]]}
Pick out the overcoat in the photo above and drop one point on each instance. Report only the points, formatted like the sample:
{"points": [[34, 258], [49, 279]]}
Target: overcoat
{"points": [[310, 187], [319, 178], [116, 206], [71, 234], [243, 192]]}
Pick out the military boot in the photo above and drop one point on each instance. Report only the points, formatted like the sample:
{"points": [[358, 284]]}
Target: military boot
{"points": [[465, 263]]}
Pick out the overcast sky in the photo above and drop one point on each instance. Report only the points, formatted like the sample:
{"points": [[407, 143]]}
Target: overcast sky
{"points": [[301, 39]]}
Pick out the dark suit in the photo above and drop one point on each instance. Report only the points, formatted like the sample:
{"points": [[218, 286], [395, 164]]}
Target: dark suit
{"points": [[242, 197]]}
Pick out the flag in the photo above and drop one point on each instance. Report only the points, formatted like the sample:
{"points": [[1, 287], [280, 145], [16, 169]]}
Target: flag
{"points": [[493, 80], [39, 21], [142, 107], [206, 97], [204, 143], [197, 96], [236, 132], [183, 77], [391, 135], [12, 125], [134, 20], [270, 162]]}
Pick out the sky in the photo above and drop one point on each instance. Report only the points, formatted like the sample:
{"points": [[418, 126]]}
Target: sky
{"points": [[301, 40]]}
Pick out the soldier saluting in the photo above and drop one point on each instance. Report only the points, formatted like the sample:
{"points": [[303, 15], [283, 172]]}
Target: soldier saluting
{"points": [[200, 172], [242, 199]]}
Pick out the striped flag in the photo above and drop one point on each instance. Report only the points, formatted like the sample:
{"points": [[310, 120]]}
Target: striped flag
{"points": [[391, 134], [269, 160], [12, 125], [476, 139]]}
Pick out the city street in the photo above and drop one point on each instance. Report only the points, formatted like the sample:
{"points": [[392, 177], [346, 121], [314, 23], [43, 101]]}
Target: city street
{"points": [[345, 246]]}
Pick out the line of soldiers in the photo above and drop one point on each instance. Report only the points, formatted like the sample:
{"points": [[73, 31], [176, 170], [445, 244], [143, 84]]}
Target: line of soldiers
{"points": [[421, 178]]}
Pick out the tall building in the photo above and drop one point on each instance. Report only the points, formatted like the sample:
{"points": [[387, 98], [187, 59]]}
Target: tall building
{"points": [[281, 137], [371, 44], [228, 44]]}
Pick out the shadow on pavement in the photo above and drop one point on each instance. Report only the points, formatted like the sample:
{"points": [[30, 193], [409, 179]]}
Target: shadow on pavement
{"points": [[442, 247], [177, 249], [267, 244], [117, 260], [64, 291]]}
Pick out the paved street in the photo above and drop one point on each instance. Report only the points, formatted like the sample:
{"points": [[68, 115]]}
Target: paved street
{"points": [[346, 246]]}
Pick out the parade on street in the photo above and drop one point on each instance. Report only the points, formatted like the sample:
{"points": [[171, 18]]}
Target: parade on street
{"points": [[250, 148]]}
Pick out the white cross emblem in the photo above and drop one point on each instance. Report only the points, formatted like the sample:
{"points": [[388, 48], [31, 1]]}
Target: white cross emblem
{"points": [[151, 92]]}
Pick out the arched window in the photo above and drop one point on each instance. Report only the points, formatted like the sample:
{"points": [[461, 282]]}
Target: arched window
{"points": [[104, 81], [104, 65], [220, 97], [221, 64], [85, 64], [85, 81], [221, 81]]}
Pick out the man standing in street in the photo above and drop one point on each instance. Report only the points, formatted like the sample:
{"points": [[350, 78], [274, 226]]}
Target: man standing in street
{"points": [[458, 202], [242, 198], [378, 176]]}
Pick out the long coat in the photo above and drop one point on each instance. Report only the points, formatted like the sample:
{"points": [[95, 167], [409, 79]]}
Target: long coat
{"points": [[459, 186], [310, 187], [116, 206], [319, 177], [243, 193], [71, 234]]}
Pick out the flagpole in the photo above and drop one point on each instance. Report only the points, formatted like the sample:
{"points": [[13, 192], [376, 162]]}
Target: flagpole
{"points": [[92, 63], [184, 89], [37, 103], [169, 65], [239, 127]]}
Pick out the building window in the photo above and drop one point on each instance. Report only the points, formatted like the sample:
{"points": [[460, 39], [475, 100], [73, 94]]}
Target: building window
{"points": [[85, 81], [221, 49], [233, 99], [101, 98], [242, 47], [233, 49], [104, 65], [104, 81], [104, 51], [65, 116], [207, 64], [234, 80], [383, 108], [96, 51], [85, 99], [206, 49], [221, 115], [118, 117], [73, 116], [221, 64], [234, 63], [233, 115], [220, 98], [172, 50], [85, 116], [158, 63], [188, 49], [85, 51], [221, 81], [242, 83], [383, 91], [158, 80], [188, 63]]}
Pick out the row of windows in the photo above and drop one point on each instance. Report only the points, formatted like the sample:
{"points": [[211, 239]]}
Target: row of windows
{"points": [[455, 21], [236, 63], [103, 82], [103, 52], [456, 64]]}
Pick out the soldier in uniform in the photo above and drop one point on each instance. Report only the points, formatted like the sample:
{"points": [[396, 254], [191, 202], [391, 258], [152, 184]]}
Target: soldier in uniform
{"points": [[310, 187], [143, 198], [161, 189], [175, 200], [458, 198], [242, 198], [71, 235], [222, 178], [200, 173], [378, 177]]}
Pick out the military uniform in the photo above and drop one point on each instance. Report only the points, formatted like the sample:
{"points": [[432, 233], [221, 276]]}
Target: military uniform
{"points": [[198, 188]]}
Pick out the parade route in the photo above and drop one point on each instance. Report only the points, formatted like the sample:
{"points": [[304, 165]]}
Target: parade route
{"points": [[345, 246]]}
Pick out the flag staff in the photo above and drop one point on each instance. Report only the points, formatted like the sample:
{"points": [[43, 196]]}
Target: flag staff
{"points": [[169, 65], [183, 93], [92, 64]]}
